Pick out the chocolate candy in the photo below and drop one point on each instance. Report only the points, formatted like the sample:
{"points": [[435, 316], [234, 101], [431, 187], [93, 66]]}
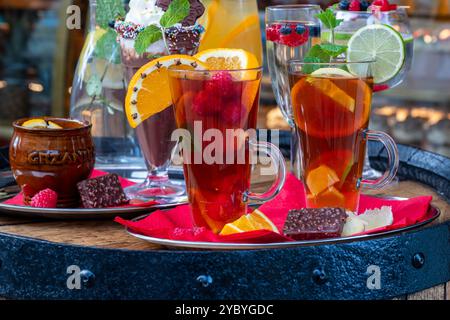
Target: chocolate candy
{"points": [[196, 11], [101, 192], [183, 40], [314, 223]]}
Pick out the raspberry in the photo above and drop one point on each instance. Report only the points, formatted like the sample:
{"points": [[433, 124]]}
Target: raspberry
{"points": [[221, 84], [392, 7], [383, 5], [354, 6], [202, 104], [273, 32], [233, 114], [46, 198], [295, 39], [343, 5]]}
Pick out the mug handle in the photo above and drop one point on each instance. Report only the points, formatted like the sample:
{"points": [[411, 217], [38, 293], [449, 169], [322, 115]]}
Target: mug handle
{"points": [[277, 159], [393, 159]]}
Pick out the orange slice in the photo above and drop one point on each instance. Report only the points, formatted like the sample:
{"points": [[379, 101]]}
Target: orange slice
{"points": [[148, 92], [320, 179], [249, 222], [227, 59], [246, 35]]}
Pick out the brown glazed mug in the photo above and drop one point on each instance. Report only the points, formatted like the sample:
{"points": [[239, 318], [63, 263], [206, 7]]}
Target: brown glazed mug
{"points": [[58, 159]]}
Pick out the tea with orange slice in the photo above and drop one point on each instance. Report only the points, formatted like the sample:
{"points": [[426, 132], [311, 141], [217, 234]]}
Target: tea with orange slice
{"points": [[331, 111], [215, 101]]}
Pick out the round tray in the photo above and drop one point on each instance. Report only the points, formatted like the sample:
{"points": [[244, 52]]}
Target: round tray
{"points": [[83, 213], [432, 214]]}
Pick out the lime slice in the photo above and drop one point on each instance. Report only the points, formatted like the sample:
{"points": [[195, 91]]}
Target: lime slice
{"points": [[324, 72], [377, 42]]}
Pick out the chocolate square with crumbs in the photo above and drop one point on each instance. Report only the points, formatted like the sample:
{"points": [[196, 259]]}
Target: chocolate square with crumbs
{"points": [[101, 192], [314, 223]]}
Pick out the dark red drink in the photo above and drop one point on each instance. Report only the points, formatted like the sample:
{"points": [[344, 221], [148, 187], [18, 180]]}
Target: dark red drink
{"points": [[209, 106]]}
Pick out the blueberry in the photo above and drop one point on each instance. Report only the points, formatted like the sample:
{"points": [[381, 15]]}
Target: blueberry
{"points": [[344, 4], [364, 4], [300, 29], [111, 24], [314, 31], [285, 30]]}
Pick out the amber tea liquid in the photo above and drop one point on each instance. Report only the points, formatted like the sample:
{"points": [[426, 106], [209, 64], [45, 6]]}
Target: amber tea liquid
{"points": [[331, 114]]}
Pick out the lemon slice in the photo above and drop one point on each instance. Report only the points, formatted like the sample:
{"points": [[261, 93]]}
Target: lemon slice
{"points": [[53, 125], [329, 72], [35, 123], [148, 92], [227, 59]]}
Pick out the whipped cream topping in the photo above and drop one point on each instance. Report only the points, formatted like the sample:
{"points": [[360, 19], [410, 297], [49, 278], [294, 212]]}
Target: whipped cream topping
{"points": [[144, 12]]}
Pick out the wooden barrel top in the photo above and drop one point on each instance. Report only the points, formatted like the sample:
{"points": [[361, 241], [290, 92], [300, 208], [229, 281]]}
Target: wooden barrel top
{"points": [[111, 235]]}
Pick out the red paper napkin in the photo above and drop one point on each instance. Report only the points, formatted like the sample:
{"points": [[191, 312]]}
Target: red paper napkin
{"points": [[18, 199], [176, 224]]}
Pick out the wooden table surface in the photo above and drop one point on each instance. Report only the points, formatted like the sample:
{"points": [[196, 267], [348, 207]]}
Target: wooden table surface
{"points": [[108, 234]]}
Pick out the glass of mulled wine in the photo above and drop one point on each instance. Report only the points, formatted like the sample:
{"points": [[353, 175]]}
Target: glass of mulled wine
{"points": [[331, 107], [216, 113]]}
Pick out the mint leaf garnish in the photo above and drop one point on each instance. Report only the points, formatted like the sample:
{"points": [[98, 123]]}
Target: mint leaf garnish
{"points": [[146, 37], [332, 50], [327, 51], [310, 68], [108, 10], [107, 47], [328, 19], [176, 12]]}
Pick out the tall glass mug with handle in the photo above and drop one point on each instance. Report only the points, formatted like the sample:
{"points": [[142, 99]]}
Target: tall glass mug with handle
{"points": [[291, 30], [216, 113], [331, 107], [354, 30]]}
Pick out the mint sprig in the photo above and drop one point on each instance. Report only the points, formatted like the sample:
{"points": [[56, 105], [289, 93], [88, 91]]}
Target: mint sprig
{"points": [[177, 11], [108, 10], [325, 52], [328, 19], [107, 47], [146, 37]]}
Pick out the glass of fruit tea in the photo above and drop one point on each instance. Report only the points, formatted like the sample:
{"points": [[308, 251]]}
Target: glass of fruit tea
{"points": [[291, 30], [216, 113], [331, 105]]}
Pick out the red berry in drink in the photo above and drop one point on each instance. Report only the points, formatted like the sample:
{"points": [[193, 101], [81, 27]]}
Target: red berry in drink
{"points": [[354, 6], [221, 85], [233, 113], [273, 32], [203, 103], [299, 35]]}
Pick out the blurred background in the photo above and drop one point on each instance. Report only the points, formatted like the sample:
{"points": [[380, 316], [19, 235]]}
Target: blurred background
{"points": [[38, 56]]}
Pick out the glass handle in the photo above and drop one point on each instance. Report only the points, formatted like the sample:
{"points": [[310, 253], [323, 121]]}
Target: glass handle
{"points": [[278, 161], [393, 159]]}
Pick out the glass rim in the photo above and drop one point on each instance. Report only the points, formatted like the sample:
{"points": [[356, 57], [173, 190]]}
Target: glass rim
{"points": [[260, 68], [293, 6], [338, 62]]}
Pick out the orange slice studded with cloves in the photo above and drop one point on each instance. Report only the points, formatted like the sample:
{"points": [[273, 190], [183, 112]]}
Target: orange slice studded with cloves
{"points": [[148, 92]]}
